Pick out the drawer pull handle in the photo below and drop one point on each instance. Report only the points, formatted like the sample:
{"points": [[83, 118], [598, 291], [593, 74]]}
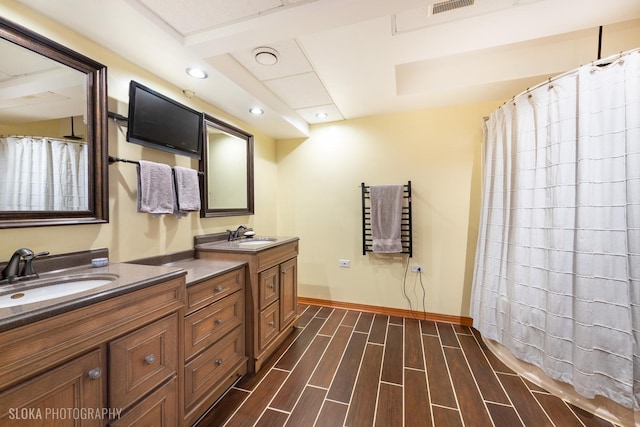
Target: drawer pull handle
{"points": [[95, 373], [218, 321], [272, 324], [219, 288], [219, 362], [150, 359]]}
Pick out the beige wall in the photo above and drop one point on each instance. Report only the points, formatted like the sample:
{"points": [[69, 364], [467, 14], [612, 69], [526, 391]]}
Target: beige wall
{"points": [[319, 199], [131, 235]]}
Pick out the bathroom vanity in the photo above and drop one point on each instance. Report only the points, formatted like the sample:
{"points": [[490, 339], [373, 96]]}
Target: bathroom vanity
{"points": [[112, 349], [271, 288], [154, 342]]}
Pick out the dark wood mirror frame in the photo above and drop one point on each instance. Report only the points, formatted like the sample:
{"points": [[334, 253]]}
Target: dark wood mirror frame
{"points": [[206, 211], [98, 185]]}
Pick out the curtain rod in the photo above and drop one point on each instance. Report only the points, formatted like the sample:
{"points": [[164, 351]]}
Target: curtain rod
{"points": [[55, 138], [601, 62]]}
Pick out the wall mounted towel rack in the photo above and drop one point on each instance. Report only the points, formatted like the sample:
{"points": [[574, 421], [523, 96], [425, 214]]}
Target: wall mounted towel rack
{"points": [[406, 225], [118, 159]]}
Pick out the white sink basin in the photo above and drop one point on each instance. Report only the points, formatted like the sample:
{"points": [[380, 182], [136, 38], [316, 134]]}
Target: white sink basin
{"points": [[50, 289], [252, 242]]}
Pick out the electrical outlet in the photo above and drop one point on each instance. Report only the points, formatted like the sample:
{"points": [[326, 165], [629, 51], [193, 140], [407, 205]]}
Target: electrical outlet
{"points": [[417, 269], [344, 263]]}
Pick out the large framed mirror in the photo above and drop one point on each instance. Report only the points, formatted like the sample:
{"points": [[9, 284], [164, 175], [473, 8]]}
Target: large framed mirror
{"points": [[53, 133], [227, 163]]}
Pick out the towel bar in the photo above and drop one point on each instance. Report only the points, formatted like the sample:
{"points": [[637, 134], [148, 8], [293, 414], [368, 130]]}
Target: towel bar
{"points": [[406, 225], [118, 159]]}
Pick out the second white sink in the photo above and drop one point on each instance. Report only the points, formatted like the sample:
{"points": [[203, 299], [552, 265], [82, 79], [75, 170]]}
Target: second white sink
{"points": [[259, 241]]}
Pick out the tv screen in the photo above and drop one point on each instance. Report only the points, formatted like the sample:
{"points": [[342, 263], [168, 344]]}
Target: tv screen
{"points": [[157, 121]]}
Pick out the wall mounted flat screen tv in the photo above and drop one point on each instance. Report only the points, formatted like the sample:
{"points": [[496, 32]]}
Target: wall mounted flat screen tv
{"points": [[157, 121]]}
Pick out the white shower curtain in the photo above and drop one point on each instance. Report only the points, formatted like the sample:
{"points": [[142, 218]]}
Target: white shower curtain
{"points": [[557, 275], [43, 174]]}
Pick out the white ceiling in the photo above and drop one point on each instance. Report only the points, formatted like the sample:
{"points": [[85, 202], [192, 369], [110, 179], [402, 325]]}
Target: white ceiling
{"points": [[351, 58]]}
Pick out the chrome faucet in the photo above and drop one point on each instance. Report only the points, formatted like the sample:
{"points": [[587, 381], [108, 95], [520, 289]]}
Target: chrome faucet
{"points": [[235, 235], [12, 270]]}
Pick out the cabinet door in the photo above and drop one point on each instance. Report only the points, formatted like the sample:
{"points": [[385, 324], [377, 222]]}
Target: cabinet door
{"points": [[49, 398], [269, 325], [159, 409], [142, 360], [269, 286], [288, 292]]}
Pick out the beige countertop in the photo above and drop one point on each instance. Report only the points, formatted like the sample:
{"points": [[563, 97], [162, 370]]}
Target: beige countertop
{"points": [[127, 278], [199, 270]]}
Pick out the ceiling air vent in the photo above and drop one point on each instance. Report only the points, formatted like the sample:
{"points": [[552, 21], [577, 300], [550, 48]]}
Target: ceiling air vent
{"points": [[448, 5]]}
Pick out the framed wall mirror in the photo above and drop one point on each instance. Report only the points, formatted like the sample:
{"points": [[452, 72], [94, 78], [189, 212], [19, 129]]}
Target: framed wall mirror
{"points": [[227, 163], [53, 133]]}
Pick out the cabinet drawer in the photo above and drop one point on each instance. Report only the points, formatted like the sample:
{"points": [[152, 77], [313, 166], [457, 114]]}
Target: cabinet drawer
{"points": [[211, 290], [269, 325], [270, 257], [159, 409], [142, 360], [205, 371], [206, 326], [269, 286]]}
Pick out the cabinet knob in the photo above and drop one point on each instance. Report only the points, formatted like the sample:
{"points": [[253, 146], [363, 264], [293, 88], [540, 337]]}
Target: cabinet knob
{"points": [[272, 324], [283, 271], [149, 359], [219, 362], [218, 321], [270, 286], [219, 288], [95, 373]]}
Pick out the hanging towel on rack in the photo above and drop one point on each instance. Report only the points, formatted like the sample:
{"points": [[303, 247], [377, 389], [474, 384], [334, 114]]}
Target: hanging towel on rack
{"points": [[187, 190], [156, 193], [386, 218]]}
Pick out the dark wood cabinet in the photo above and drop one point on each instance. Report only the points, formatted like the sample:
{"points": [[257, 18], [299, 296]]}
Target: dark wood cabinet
{"points": [[271, 296]]}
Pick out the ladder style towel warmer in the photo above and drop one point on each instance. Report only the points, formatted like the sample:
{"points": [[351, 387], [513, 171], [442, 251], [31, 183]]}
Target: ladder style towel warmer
{"points": [[406, 225]]}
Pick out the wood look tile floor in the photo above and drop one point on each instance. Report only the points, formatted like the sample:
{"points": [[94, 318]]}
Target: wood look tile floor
{"points": [[357, 369]]}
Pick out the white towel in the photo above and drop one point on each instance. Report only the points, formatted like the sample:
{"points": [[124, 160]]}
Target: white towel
{"points": [[187, 190], [155, 188], [386, 218]]}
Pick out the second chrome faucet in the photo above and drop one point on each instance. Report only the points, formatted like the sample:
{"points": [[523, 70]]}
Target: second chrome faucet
{"points": [[235, 235]]}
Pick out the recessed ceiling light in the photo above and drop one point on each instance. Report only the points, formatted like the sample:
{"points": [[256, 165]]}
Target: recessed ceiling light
{"points": [[322, 115], [266, 56], [256, 110], [197, 73]]}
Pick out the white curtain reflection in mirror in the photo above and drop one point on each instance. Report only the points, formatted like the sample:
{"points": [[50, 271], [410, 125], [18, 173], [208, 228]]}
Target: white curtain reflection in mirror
{"points": [[43, 174], [227, 170]]}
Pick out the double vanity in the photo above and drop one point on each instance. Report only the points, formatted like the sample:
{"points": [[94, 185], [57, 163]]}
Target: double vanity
{"points": [[154, 342]]}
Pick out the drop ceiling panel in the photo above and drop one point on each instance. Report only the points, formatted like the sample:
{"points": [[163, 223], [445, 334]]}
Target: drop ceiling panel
{"points": [[191, 16], [309, 114], [19, 61], [291, 61], [424, 16], [300, 91]]}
